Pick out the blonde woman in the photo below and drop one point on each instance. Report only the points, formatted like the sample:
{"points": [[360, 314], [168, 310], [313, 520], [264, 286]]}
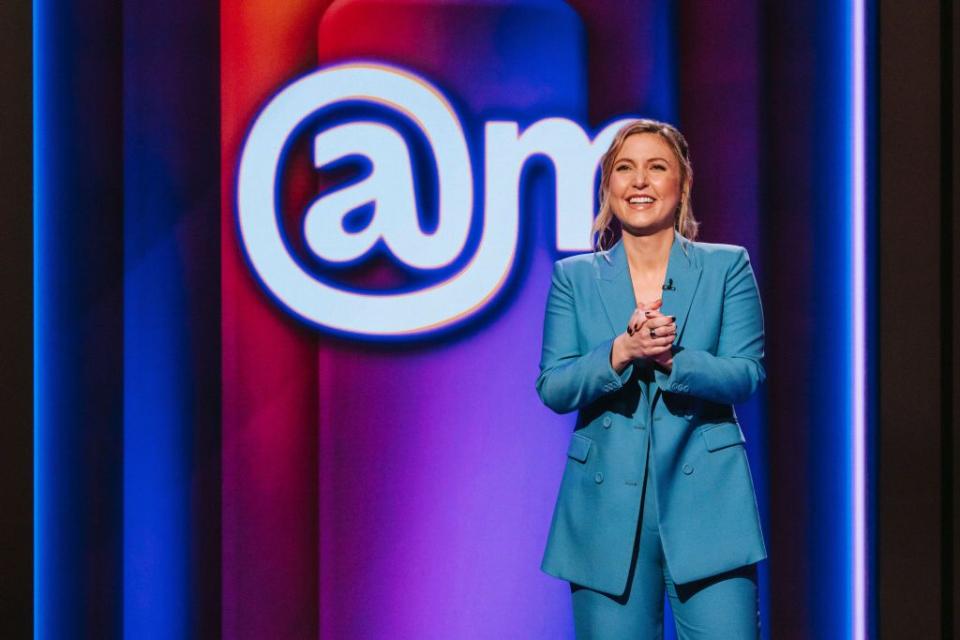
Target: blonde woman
{"points": [[653, 338]]}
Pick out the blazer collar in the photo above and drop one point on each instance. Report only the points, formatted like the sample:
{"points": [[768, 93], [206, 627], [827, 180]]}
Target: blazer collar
{"points": [[616, 287]]}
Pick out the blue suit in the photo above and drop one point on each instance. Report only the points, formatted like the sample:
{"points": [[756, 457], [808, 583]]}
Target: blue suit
{"points": [[708, 518]]}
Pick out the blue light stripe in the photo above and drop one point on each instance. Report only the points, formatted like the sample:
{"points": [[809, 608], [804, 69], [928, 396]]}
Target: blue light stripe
{"points": [[38, 488], [859, 296], [77, 321]]}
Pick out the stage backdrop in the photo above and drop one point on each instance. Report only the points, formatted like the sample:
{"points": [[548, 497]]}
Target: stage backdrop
{"points": [[292, 262], [398, 179]]}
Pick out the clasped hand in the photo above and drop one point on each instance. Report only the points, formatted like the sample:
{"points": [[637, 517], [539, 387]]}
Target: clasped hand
{"points": [[649, 334]]}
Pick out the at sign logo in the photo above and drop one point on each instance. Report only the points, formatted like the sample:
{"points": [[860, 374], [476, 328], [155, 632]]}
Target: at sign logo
{"points": [[390, 188]]}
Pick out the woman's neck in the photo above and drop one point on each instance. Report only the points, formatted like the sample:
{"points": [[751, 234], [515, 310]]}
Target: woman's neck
{"points": [[648, 254]]}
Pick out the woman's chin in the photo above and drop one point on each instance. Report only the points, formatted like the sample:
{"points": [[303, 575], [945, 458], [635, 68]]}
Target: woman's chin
{"points": [[645, 229]]}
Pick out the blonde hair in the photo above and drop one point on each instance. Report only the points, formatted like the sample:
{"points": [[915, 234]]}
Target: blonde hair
{"points": [[605, 225]]}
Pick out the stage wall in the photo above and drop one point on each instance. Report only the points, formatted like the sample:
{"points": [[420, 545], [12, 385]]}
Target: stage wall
{"points": [[267, 408]]}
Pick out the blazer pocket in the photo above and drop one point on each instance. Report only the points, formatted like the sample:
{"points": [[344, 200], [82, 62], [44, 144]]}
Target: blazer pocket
{"points": [[722, 435], [579, 447]]}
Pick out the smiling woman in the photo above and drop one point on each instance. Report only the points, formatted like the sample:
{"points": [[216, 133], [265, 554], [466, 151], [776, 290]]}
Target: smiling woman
{"points": [[657, 492]]}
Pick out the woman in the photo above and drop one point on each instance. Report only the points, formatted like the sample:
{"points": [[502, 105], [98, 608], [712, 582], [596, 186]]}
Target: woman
{"points": [[653, 340]]}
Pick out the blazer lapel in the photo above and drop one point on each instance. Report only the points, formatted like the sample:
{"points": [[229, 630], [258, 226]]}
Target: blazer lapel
{"points": [[683, 276], [616, 288]]}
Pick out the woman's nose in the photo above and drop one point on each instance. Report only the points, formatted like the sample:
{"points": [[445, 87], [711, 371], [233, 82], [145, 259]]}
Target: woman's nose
{"points": [[640, 177]]}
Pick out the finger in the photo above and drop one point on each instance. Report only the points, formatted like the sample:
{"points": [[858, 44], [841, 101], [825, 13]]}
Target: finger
{"points": [[658, 350], [660, 335], [660, 321], [636, 321], [647, 342], [663, 330], [659, 332], [649, 318]]}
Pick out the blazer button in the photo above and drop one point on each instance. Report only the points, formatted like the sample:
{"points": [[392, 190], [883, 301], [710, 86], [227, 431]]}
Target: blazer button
{"points": [[687, 469], [598, 478], [606, 422]]}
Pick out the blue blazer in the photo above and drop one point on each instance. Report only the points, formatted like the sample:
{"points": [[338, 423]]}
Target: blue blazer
{"points": [[709, 521]]}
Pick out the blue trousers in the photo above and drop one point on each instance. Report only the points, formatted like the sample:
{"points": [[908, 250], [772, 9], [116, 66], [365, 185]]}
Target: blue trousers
{"points": [[722, 607]]}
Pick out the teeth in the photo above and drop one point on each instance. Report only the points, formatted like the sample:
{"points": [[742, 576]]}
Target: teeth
{"points": [[640, 200]]}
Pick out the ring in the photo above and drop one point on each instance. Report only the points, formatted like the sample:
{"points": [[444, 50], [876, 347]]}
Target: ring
{"points": [[653, 333]]}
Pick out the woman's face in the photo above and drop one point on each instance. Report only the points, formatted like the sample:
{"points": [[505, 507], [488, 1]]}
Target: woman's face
{"points": [[644, 187]]}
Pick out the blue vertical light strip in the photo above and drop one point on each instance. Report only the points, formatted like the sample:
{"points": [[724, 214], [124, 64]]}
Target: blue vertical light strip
{"points": [[854, 250], [157, 446], [838, 393], [158, 376], [77, 320], [171, 319], [859, 330], [842, 246], [38, 488]]}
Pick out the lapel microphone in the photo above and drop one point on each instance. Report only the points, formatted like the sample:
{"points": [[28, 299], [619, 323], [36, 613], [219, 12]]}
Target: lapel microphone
{"points": [[668, 285]]}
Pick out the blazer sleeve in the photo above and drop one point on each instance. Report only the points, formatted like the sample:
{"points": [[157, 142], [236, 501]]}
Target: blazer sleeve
{"points": [[735, 372], [570, 379]]}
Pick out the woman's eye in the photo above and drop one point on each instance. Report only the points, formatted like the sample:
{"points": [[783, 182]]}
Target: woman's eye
{"points": [[622, 167], [660, 167]]}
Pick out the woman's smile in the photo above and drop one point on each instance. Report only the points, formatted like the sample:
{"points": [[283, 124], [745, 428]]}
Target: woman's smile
{"points": [[640, 203]]}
